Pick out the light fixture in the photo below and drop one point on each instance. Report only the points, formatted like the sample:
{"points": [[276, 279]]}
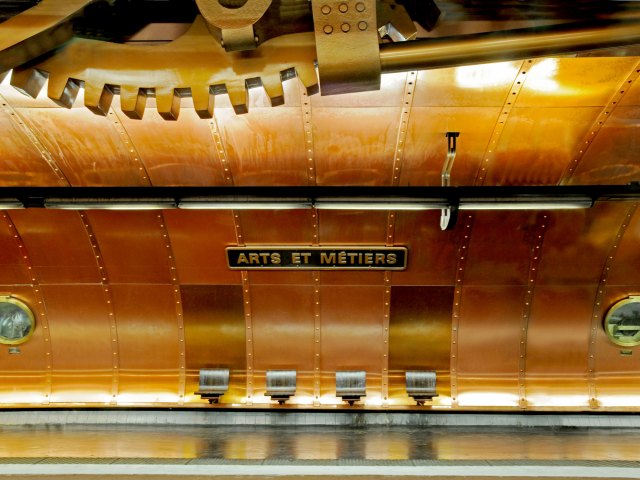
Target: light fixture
{"points": [[10, 204], [524, 203], [110, 204], [244, 203], [405, 204]]}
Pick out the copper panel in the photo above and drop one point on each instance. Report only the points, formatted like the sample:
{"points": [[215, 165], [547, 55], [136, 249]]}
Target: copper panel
{"points": [[148, 346], [537, 144], [390, 95], [432, 252], [419, 336], [198, 240], [215, 334], [21, 164], [260, 154], [632, 94], [352, 227], [500, 248], [624, 270], [58, 245], [426, 146], [558, 346], [12, 267], [573, 82], [24, 374], [175, 153], [139, 258], [577, 242], [81, 350], [282, 324], [488, 345], [612, 156], [351, 334], [87, 148], [484, 85], [346, 155]]}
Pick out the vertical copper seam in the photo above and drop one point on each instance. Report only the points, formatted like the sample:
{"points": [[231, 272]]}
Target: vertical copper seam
{"points": [[40, 308], [599, 122], [317, 320], [246, 305], [108, 298], [501, 121], [598, 307], [177, 298], [386, 312], [221, 152], [467, 223], [307, 121], [401, 138], [141, 169], [46, 155], [532, 276]]}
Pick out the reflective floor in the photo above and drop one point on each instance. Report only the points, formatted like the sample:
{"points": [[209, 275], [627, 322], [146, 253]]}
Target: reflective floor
{"points": [[316, 443]]}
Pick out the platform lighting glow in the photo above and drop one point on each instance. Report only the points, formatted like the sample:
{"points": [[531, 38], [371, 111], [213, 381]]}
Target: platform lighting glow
{"points": [[488, 399], [540, 77], [619, 400], [558, 400]]}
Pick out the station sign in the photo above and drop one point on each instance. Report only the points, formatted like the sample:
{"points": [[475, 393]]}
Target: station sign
{"points": [[317, 258]]}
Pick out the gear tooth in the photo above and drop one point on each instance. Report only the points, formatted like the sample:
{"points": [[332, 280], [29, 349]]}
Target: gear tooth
{"points": [[63, 91], [98, 98], [168, 103], [28, 81], [309, 79], [273, 88], [133, 101], [203, 101], [238, 97]]}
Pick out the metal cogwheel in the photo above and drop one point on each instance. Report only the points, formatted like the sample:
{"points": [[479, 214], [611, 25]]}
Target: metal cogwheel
{"points": [[193, 64]]}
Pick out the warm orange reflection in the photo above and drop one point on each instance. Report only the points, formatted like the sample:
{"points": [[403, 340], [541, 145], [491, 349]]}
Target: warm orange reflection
{"points": [[316, 446], [250, 446]]}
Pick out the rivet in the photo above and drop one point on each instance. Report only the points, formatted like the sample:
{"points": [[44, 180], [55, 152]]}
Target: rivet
{"points": [[327, 29], [345, 27], [343, 7], [326, 9], [362, 25], [360, 7]]}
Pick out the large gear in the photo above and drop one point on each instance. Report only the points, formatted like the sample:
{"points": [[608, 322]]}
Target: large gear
{"points": [[194, 63]]}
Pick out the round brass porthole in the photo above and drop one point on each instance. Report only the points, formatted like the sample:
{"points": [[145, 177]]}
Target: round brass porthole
{"points": [[16, 321], [622, 322]]}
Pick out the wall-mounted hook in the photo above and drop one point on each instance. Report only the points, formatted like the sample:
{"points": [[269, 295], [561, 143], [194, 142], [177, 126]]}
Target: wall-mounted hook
{"points": [[449, 215]]}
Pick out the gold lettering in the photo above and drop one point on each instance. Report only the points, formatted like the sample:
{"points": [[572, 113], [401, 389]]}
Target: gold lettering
{"points": [[242, 258], [254, 259], [295, 258], [368, 258], [327, 258], [391, 259], [342, 258], [305, 257], [265, 258], [380, 258], [275, 258], [352, 257]]}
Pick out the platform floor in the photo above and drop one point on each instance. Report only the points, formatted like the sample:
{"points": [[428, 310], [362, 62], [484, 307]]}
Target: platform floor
{"points": [[145, 452]]}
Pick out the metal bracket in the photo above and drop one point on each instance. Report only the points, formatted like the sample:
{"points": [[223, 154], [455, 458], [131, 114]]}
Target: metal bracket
{"points": [[449, 215]]}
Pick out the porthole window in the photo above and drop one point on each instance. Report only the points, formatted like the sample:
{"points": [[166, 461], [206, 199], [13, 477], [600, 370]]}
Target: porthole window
{"points": [[16, 321], [622, 322]]}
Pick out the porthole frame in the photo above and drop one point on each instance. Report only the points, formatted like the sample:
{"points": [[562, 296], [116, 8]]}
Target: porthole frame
{"points": [[30, 316], [612, 311]]}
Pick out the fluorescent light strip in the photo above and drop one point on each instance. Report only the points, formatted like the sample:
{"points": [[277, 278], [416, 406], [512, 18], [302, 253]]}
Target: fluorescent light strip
{"points": [[526, 204], [109, 205], [215, 205]]}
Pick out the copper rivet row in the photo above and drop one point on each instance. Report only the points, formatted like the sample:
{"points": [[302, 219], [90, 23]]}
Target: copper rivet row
{"points": [[246, 304], [507, 106], [39, 309], [108, 298], [599, 308], [386, 311], [467, 223], [317, 320], [599, 122], [305, 102], [177, 298], [407, 102], [221, 152], [128, 144], [534, 263], [16, 118]]}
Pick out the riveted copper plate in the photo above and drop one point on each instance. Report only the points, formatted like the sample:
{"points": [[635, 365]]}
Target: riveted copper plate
{"points": [[488, 345], [81, 332], [198, 239], [215, 334], [56, 259], [624, 270], [13, 271], [558, 346]]}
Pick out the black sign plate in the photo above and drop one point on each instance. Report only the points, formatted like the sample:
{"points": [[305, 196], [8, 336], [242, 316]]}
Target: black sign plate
{"points": [[317, 258]]}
